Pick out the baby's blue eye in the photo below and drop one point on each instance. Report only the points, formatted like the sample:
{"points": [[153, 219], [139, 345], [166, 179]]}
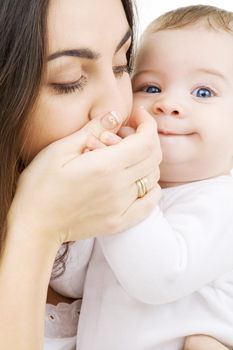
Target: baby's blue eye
{"points": [[151, 89], [203, 92]]}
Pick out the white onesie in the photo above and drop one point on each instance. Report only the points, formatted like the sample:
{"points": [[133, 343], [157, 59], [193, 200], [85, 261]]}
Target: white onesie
{"points": [[168, 277]]}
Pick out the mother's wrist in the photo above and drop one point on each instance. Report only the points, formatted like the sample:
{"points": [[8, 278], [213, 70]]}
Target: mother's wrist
{"points": [[25, 231]]}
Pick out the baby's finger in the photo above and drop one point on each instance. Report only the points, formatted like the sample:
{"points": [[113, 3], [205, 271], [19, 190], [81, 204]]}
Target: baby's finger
{"points": [[109, 138], [125, 131], [94, 143], [77, 142]]}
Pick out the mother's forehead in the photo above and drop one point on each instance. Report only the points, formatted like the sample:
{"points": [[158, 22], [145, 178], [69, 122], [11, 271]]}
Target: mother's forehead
{"points": [[81, 22]]}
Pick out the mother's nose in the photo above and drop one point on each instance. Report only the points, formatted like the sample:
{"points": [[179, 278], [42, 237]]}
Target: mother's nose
{"points": [[111, 96]]}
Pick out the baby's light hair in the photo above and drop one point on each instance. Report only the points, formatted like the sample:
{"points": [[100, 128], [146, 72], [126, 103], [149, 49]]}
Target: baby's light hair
{"points": [[213, 17]]}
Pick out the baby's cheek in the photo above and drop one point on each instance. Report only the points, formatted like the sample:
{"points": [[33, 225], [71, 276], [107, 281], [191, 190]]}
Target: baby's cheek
{"points": [[138, 101]]}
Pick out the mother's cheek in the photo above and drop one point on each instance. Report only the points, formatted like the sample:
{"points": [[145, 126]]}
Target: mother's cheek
{"points": [[50, 120]]}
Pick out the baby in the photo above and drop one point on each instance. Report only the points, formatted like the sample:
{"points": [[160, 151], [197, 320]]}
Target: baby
{"points": [[171, 275]]}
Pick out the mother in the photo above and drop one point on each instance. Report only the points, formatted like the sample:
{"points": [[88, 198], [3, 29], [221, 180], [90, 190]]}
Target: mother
{"points": [[63, 69], [63, 64]]}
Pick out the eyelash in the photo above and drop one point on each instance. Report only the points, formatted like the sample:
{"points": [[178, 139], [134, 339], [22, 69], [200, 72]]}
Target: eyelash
{"points": [[207, 88], [71, 87], [80, 84], [120, 70], [144, 88], [147, 86]]}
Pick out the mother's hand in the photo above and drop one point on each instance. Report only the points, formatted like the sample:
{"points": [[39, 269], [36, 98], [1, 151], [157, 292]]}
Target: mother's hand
{"points": [[70, 195]]}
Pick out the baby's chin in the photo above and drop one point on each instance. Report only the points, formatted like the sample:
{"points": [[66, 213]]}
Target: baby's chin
{"points": [[169, 182], [175, 178]]}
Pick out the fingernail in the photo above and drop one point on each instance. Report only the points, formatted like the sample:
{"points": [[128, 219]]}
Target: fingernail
{"points": [[111, 120]]}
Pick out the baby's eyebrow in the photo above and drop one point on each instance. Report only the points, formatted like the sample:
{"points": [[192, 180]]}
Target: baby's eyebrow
{"points": [[211, 71], [144, 72]]}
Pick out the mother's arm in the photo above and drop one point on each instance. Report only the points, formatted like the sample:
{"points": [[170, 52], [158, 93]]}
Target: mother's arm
{"points": [[25, 269], [64, 195]]}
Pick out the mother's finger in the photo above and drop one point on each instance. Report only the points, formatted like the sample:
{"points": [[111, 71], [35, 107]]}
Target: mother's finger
{"points": [[142, 169], [149, 182], [140, 209]]}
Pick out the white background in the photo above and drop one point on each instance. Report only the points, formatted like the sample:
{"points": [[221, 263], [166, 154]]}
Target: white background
{"points": [[150, 9]]}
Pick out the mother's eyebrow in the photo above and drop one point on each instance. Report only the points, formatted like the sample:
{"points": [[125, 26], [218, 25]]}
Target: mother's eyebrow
{"points": [[86, 52], [82, 53]]}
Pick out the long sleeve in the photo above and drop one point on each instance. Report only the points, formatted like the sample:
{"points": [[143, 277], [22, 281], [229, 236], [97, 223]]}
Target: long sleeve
{"points": [[184, 244]]}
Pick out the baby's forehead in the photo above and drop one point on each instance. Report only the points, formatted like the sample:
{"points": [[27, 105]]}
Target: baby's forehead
{"points": [[194, 48], [196, 33]]}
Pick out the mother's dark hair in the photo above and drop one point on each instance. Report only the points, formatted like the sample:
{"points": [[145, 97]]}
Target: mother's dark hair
{"points": [[22, 60], [22, 52]]}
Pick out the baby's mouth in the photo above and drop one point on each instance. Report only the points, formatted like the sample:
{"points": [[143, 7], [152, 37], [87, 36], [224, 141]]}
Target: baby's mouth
{"points": [[173, 133], [167, 133]]}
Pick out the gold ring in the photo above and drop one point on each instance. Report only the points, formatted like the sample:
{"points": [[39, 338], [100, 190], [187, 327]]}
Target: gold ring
{"points": [[142, 188]]}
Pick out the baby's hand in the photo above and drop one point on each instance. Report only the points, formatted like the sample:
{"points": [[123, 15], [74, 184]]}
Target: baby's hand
{"points": [[125, 131], [108, 138]]}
